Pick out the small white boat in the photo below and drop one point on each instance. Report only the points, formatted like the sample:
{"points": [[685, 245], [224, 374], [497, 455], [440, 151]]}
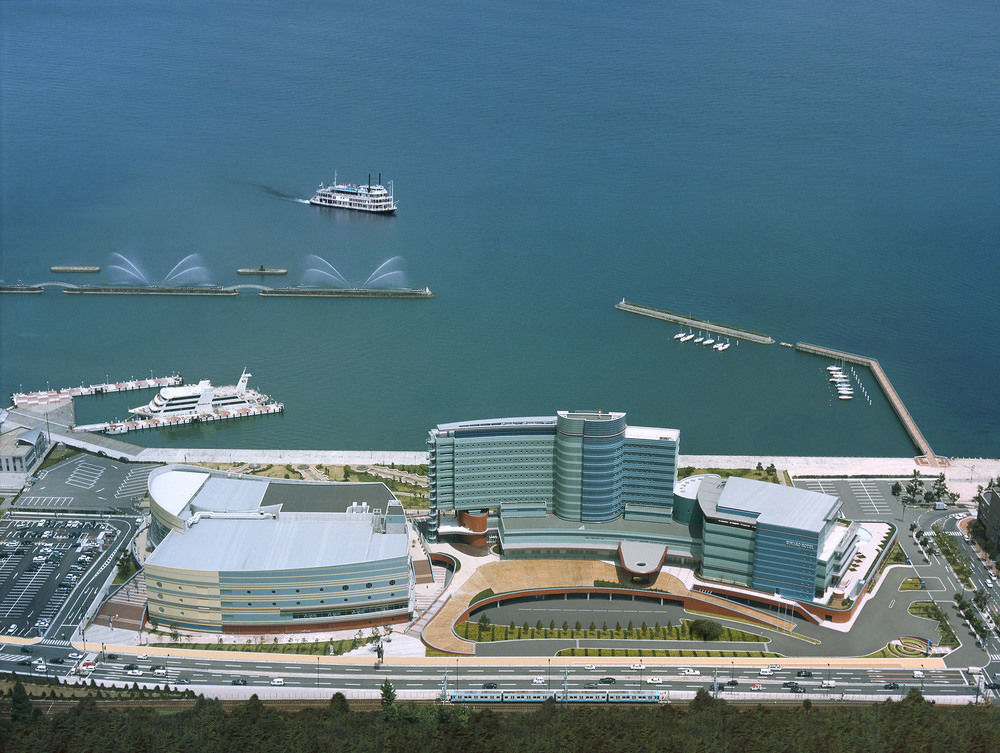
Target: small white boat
{"points": [[725, 347], [687, 337], [679, 335], [708, 341], [845, 397], [699, 338]]}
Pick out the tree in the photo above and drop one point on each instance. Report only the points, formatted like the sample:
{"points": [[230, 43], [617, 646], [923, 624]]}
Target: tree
{"points": [[896, 489], [707, 630], [338, 703], [388, 694], [914, 489], [21, 709], [940, 487]]}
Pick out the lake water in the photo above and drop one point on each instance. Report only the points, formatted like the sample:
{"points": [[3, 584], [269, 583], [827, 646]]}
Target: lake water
{"points": [[829, 174]]}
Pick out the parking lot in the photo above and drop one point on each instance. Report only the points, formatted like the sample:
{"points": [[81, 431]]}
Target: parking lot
{"points": [[62, 538], [863, 498], [43, 561], [87, 483]]}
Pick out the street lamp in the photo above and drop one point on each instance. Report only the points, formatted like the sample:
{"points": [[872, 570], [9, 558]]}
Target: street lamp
{"points": [[550, 674]]}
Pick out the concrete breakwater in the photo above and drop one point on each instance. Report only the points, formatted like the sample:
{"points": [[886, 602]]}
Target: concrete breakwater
{"points": [[349, 292], [146, 290], [21, 289], [687, 321], [916, 436], [74, 268]]}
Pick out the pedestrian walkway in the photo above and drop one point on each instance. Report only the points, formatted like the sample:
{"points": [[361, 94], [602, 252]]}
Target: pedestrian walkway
{"points": [[125, 608]]}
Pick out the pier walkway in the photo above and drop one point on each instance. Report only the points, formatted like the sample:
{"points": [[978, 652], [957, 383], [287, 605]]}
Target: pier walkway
{"points": [[62, 394], [719, 329], [927, 454]]}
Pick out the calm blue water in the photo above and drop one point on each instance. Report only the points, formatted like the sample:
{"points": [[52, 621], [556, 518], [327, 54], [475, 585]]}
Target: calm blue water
{"points": [[819, 172]]}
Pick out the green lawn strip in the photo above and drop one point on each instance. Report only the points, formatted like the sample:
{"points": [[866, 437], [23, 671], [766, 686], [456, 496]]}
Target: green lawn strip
{"points": [[910, 584], [316, 648], [931, 611], [484, 594], [476, 631]]}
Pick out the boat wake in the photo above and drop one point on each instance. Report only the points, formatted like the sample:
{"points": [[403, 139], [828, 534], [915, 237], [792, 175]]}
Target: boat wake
{"points": [[279, 194]]}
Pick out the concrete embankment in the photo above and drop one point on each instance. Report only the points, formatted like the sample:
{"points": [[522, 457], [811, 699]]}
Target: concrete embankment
{"points": [[687, 321], [916, 436]]}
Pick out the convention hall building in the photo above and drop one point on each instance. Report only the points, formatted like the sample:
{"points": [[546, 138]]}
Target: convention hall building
{"points": [[238, 553], [586, 484]]}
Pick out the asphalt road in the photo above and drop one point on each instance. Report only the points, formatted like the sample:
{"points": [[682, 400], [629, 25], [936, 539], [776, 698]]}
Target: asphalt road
{"points": [[466, 675]]}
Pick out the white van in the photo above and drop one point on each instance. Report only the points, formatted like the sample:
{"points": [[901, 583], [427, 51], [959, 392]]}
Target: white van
{"points": [[277, 680], [918, 674], [160, 672], [828, 684]]}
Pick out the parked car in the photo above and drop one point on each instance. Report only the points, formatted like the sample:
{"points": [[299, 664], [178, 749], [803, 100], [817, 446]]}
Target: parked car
{"points": [[239, 681]]}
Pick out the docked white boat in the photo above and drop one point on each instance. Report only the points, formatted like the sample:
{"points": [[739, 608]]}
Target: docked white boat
{"points": [[687, 337], [363, 198], [708, 341], [202, 399], [679, 335]]}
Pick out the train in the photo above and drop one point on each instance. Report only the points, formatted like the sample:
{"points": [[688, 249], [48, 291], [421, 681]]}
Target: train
{"points": [[559, 696]]}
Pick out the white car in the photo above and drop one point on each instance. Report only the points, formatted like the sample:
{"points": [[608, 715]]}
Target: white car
{"points": [[75, 655], [134, 673], [654, 681], [538, 681], [585, 666], [637, 667], [12, 629], [277, 680], [690, 672], [142, 656]]}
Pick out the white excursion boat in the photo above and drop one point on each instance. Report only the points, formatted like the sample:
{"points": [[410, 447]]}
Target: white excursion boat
{"points": [[369, 198], [202, 399]]}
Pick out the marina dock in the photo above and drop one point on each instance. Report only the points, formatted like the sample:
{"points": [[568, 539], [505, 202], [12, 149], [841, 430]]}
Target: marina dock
{"points": [[74, 268], [61, 395], [139, 424], [687, 321], [927, 454]]}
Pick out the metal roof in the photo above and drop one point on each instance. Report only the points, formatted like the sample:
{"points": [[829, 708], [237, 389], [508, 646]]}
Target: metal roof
{"points": [[745, 501], [292, 541]]}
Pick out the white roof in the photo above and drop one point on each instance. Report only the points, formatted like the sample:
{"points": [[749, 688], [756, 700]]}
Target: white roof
{"points": [[652, 432], [173, 490]]}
